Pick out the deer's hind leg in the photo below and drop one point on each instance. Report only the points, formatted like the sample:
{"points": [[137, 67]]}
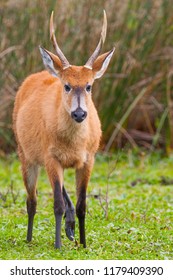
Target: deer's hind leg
{"points": [[30, 174], [69, 216]]}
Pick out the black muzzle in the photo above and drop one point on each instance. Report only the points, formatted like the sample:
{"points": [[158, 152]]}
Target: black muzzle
{"points": [[79, 115]]}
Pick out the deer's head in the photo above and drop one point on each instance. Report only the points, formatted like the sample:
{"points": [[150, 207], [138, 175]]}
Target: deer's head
{"points": [[77, 81]]}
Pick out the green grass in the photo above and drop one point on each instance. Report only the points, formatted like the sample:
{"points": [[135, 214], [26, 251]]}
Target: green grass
{"points": [[139, 223]]}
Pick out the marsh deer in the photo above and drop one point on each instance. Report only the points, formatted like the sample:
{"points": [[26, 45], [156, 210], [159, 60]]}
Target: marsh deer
{"points": [[56, 125]]}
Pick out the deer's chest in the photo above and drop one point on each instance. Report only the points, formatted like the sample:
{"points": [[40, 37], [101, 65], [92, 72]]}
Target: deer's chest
{"points": [[69, 156]]}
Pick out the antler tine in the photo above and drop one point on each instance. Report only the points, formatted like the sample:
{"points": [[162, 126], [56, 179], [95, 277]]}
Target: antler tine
{"points": [[60, 54], [96, 53]]}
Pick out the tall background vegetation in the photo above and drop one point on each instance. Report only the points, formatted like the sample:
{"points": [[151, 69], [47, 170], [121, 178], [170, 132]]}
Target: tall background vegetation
{"points": [[135, 96]]}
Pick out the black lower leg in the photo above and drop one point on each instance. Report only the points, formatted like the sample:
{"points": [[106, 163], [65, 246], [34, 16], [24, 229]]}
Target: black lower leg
{"points": [[58, 211], [58, 219], [68, 202], [31, 209], [80, 211], [82, 231], [69, 216]]}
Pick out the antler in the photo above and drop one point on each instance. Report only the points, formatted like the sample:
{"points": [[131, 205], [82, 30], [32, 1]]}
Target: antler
{"points": [[60, 54], [96, 53]]}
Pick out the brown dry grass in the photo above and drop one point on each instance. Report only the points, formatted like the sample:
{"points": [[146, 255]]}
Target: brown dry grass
{"points": [[142, 32]]}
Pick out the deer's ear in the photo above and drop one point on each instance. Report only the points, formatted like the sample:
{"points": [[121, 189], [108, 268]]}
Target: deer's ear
{"points": [[51, 62], [101, 63]]}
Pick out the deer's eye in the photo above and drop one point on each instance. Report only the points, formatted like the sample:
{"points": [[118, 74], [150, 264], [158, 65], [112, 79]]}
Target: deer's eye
{"points": [[67, 88], [88, 88]]}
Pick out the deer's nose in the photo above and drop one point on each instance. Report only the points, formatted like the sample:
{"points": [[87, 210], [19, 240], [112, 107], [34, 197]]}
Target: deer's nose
{"points": [[79, 115]]}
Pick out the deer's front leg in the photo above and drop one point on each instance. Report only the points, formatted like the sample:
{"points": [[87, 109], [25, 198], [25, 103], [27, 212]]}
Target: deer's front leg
{"points": [[82, 179], [55, 173]]}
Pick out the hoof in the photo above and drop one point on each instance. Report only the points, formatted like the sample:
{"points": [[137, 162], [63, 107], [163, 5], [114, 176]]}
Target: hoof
{"points": [[57, 245], [70, 223], [69, 229]]}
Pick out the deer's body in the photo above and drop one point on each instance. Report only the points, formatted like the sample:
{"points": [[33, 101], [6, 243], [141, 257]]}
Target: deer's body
{"points": [[44, 128], [57, 126]]}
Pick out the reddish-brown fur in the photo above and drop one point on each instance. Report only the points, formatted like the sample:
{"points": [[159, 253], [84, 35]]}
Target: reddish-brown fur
{"points": [[44, 128], [47, 135]]}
